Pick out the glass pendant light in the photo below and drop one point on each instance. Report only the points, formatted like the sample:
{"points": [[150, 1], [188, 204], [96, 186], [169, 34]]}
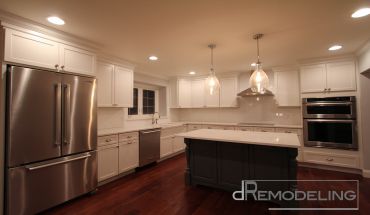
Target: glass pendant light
{"points": [[212, 81], [259, 81]]}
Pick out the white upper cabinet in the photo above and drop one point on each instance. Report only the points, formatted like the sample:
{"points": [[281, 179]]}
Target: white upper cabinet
{"points": [[115, 85], [287, 88], [228, 92], [197, 93], [123, 87], [341, 76], [180, 93], [313, 78], [76, 60], [30, 50], [105, 82], [212, 100], [44, 51], [330, 77]]}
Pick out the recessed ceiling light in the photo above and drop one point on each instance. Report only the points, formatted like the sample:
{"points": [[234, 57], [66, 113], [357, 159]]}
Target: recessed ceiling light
{"points": [[153, 58], [335, 47], [192, 73], [55, 20], [361, 12], [253, 64]]}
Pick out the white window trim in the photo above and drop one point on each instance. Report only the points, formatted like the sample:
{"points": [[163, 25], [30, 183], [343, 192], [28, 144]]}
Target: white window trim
{"points": [[140, 115]]}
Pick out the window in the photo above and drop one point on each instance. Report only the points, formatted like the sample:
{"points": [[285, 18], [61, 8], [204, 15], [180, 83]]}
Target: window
{"points": [[135, 109], [145, 103], [148, 101]]}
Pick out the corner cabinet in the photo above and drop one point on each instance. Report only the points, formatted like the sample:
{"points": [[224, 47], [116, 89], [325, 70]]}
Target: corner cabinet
{"points": [[115, 85], [330, 77], [46, 52], [287, 88]]}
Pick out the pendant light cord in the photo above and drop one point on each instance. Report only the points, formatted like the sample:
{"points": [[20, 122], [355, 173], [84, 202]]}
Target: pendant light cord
{"points": [[212, 59], [258, 51]]}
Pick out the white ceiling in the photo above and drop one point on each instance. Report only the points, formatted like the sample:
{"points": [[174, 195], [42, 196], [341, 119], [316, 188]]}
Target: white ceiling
{"points": [[178, 31]]}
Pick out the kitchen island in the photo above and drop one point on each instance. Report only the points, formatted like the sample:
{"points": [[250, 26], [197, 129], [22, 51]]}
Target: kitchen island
{"points": [[224, 158]]}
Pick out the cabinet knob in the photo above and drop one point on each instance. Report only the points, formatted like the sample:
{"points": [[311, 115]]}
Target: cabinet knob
{"points": [[56, 66], [329, 159], [108, 140], [329, 89], [62, 67]]}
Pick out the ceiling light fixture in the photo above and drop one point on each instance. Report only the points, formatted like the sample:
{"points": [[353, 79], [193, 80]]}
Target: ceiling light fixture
{"points": [[212, 81], [361, 12], [335, 47], [259, 81], [153, 58], [192, 73], [55, 20]]}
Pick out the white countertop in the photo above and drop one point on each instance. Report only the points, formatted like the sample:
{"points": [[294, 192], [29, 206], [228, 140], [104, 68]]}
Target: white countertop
{"points": [[109, 131], [245, 137]]}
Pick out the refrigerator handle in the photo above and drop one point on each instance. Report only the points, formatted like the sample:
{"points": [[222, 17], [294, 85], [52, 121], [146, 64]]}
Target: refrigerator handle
{"points": [[67, 114], [58, 116]]}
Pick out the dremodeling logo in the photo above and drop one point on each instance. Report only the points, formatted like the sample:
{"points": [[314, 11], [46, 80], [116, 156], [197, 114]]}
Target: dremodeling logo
{"points": [[307, 194]]}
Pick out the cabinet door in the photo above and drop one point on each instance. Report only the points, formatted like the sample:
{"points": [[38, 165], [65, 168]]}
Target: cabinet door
{"points": [[166, 146], [123, 87], [107, 162], [184, 93], [30, 49], [287, 88], [197, 93], [313, 78], [128, 155], [178, 144], [105, 81], [77, 60], [228, 92], [341, 76], [212, 100], [203, 163]]}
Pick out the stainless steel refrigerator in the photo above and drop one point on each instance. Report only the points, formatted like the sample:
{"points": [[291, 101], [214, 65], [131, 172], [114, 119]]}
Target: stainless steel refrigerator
{"points": [[51, 138]]}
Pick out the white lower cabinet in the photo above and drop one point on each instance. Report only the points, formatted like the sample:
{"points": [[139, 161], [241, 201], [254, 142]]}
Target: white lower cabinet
{"points": [[107, 162], [128, 155], [166, 146], [332, 159], [178, 144]]}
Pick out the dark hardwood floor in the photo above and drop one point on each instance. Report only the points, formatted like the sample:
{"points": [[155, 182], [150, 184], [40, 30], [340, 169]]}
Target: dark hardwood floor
{"points": [[160, 189]]}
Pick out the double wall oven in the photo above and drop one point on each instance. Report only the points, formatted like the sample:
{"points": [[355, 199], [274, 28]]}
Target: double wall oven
{"points": [[330, 122]]}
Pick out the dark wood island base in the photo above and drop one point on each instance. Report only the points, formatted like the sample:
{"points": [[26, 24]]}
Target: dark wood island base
{"points": [[225, 165]]}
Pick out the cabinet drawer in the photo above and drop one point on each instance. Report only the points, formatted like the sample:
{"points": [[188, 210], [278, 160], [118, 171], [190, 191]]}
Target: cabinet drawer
{"points": [[194, 127], [129, 141], [165, 132], [245, 128], [264, 129], [331, 159], [106, 140], [289, 130], [128, 136]]}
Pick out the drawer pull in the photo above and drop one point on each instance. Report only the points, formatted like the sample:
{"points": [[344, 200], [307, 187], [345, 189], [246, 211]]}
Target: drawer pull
{"points": [[288, 132], [129, 136], [108, 140], [129, 142], [329, 159]]}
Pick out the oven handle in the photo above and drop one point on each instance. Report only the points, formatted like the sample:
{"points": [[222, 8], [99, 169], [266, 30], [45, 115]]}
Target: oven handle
{"points": [[331, 120], [329, 104]]}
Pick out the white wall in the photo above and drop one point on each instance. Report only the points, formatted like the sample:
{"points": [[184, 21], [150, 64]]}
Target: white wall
{"points": [[250, 110], [364, 88]]}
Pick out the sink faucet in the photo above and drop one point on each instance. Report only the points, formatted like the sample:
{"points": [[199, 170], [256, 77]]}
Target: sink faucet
{"points": [[155, 118]]}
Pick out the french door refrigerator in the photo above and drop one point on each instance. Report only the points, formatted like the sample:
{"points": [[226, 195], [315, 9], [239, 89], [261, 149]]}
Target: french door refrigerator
{"points": [[51, 138]]}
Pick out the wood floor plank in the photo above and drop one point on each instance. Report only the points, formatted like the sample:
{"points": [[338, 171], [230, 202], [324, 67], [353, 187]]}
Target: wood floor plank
{"points": [[160, 189]]}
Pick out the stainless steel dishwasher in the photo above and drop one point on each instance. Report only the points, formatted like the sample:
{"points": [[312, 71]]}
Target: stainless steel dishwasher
{"points": [[149, 146]]}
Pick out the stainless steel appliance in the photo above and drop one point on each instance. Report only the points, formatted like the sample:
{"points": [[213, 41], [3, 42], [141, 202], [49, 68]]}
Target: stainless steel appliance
{"points": [[51, 138], [149, 146], [330, 122]]}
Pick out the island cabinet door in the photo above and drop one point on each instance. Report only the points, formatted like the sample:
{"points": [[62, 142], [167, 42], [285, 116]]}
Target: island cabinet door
{"points": [[203, 162], [270, 163], [232, 165]]}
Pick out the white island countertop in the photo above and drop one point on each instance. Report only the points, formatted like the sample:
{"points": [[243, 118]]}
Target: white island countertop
{"points": [[245, 137]]}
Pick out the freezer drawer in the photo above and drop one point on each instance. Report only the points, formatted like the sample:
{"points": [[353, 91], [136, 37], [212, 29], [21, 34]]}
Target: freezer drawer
{"points": [[37, 187]]}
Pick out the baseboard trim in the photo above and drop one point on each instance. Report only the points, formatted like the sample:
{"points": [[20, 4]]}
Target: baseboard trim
{"points": [[332, 168], [366, 173]]}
